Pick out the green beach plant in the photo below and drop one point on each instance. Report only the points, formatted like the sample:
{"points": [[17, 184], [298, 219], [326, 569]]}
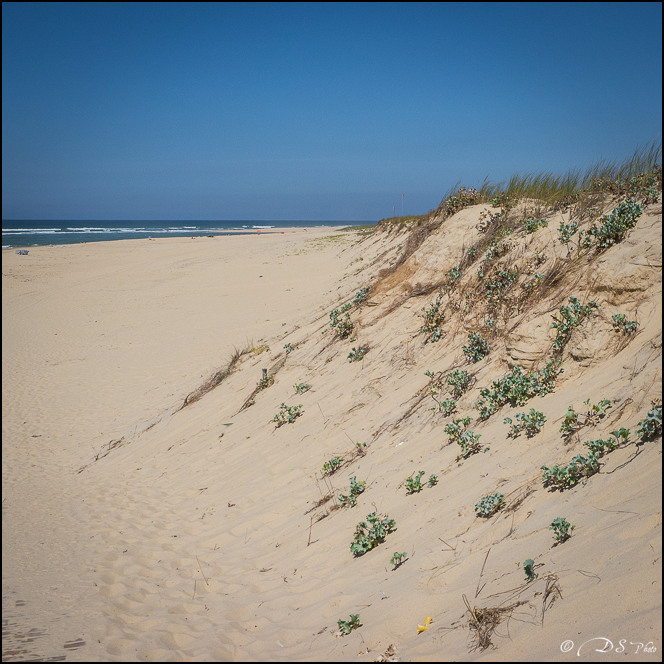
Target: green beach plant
{"points": [[568, 318], [529, 569], [517, 387], [489, 505], [564, 477], [356, 354], [433, 319], [614, 227], [447, 407], [531, 423], [370, 533], [621, 324], [601, 447], [414, 484], [651, 425], [498, 284], [459, 199], [567, 231], [458, 381], [398, 559], [301, 388], [596, 411], [356, 488], [532, 225], [453, 275], [570, 422], [361, 295], [347, 626], [562, 529], [265, 381], [345, 327], [333, 464], [477, 347], [287, 414]]}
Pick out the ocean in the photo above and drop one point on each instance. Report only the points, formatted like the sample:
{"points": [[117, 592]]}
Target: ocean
{"points": [[34, 233]]}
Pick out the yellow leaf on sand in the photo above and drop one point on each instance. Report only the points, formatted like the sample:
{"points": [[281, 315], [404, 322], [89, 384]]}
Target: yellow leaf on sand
{"points": [[425, 627]]}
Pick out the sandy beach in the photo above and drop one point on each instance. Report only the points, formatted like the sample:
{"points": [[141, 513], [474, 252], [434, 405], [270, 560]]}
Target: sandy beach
{"points": [[136, 529]]}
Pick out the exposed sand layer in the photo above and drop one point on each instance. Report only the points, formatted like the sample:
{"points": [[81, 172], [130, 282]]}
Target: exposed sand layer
{"points": [[135, 529]]}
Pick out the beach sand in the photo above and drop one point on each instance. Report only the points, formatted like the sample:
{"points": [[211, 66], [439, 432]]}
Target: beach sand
{"points": [[136, 529]]}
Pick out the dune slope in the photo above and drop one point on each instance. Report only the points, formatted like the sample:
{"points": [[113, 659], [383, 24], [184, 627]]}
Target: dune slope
{"points": [[219, 535]]}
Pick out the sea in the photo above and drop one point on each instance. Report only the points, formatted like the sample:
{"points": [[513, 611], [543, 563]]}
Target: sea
{"points": [[35, 233]]}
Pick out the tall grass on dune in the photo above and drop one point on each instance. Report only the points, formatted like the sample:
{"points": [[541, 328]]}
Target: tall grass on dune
{"points": [[552, 189]]}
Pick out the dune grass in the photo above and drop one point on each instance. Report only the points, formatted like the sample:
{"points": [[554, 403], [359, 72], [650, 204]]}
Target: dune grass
{"points": [[216, 379], [552, 189]]}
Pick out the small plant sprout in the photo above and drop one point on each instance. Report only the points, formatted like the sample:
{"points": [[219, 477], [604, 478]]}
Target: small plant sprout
{"points": [[651, 425], [356, 488], [370, 533], [301, 388], [621, 324], [330, 466], [288, 348], [529, 569], [570, 422], [477, 347], [356, 354], [596, 411], [574, 421], [360, 448], [562, 530], [398, 559], [287, 414], [489, 505], [347, 626], [414, 484], [432, 481]]}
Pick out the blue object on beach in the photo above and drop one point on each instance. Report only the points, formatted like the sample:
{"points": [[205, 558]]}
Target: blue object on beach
{"points": [[22, 252]]}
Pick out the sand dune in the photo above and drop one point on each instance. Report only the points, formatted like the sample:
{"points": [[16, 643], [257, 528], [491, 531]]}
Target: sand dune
{"points": [[135, 529]]}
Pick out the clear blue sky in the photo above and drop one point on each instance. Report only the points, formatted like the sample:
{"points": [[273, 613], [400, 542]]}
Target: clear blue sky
{"points": [[310, 111]]}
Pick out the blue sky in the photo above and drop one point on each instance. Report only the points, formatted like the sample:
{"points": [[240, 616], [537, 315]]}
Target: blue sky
{"points": [[311, 111]]}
